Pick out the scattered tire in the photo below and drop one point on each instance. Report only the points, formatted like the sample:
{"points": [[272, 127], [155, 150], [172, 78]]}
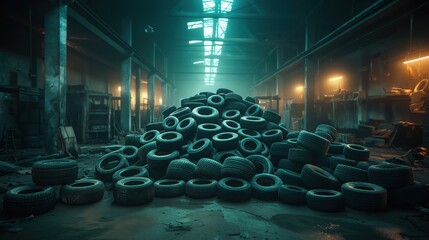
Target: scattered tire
{"points": [[133, 140], [253, 122], [301, 156], [327, 129], [148, 137], [238, 167], [313, 142], [168, 111], [182, 169], [187, 127], [216, 101], [391, 176], [271, 136], [336, 148], [325, 136], [29, 199], [231, 114], [293, 142], [169, 141], [365, 165], [254, 110], [208, 130], [325, 200], [335, 160], [205, 114], [143, 152], [225, 141], [154, 126], [293, 134], [54, 172], [181, 113], [230, 126], [130, 153], [249, 146], [262, 164], [221, 156], [291, 194], [346, 173], [280, 150], [239, 106], [233, 97], [83, 191], [244, 133], [159, 160], [317, 178], [208, 168], [290, 177], [265, 186], [290, 165], [356, 152], [169, 188], [364, 196], [133, 191], [202, 148], [233, 189], [131, 171], [201, 188], [108, 164], [170, 123], [271, 116]]}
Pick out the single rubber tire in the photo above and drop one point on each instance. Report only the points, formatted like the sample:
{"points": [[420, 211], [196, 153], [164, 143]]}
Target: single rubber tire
{"points": [[225, 141], [54, 172], [290, 177], [170, 123], [317, 178], [238, 167], [29, 200], [169, 141], [356, 152], [83, 191], [291, 194], [391, 176], [325, 200], [108, 164], [202, 148], [345, 173], [133, 191], [265, 186], [205, 114], [313, 142], [233, 189], [262, 164], [130, 171], [364, 196], [169, 188], [182, 169], [187, 127], [230, 126], [201, 188], [208, 168], [250, 146], [159, 160]]}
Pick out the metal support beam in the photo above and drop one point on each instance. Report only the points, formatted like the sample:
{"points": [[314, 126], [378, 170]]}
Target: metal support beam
{"points": [[138, 90], [55, 73], [151, 87], [126, 76], [309, 80]]}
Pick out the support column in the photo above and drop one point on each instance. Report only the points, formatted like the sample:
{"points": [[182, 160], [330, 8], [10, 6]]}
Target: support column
{"points": [[126, 76], [138, 114], [151, 96], [309, 81], [55, 74]]}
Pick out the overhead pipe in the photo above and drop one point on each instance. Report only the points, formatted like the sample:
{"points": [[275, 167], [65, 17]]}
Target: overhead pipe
{"points": [[367, 15]]}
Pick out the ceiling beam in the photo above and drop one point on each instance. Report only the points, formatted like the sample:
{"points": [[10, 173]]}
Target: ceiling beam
{"points": [[231, 15]]}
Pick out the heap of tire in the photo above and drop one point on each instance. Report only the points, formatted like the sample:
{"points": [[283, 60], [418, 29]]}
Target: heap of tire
{"points": [[219, 144]]}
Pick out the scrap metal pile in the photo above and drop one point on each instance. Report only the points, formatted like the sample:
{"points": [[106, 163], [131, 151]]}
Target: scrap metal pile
{"points": [[219, 144]]}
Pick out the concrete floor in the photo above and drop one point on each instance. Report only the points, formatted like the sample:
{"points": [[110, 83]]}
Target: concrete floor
{"points": [[185, 218]]}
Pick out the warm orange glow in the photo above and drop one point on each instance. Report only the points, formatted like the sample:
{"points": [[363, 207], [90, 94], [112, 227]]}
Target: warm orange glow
{"points": [[299, 88], [416, 60], [119, 89], [336, 78]]}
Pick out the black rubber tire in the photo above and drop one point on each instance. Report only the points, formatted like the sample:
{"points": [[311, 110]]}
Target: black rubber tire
{"points": [[233, 189], [271, 136], [245, 133], [238, 167], [154, 126], [291, 194], [221, 156], [265, 186], [356, 152], [201, 188], [302, 156], [54, 172], [328, 129], [131, 171], [254, 110], [159, 160], [251, 99], [182, 113], [290, 165], [187, 127], [83, 191], [169, 141], [169, 188], [335, 160], [148, 137], [199, 98], [156, 174], [202, 148], [364, 196], [271, 126], [409, 196], [336, 148], [313, 142], [265, 150], [192, 105], [208, 168], [231, 114], [325, 135], [241, 107], [133, 191], [230, 126], [170, 123], [208, 130], [130, 153], [223, 90], [293, 134], [29, 200], [108, 164], [249, 146], [205, 114], [233, 97], [325, 200], [317, 178], [216, 101], [225, 141], [391, 176], [279, 150], [253, 122], [182, 169], [271, 116], [168, 111], [365, 165], [293, 142], [290, 177], [345, 173], [262, 164], [143, 151], [133, 140]]}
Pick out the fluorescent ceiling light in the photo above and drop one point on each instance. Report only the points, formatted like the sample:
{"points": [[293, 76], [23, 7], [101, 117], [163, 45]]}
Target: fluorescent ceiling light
{"points": [[199, 62], [416, 60], [195, 41]]}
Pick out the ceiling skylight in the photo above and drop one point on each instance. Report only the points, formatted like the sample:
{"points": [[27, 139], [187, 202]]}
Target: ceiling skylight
{"points": [[214, 30]]}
